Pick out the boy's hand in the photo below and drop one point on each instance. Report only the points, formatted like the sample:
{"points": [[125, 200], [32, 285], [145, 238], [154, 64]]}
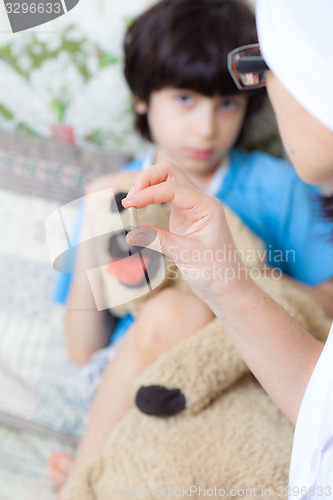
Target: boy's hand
{"points": [[199, 240]]}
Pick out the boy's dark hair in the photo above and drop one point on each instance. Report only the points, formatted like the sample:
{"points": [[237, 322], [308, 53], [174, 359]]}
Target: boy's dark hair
{"points": [[184, 44]]}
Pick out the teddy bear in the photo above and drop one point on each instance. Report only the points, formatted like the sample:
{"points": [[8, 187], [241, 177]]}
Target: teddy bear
{"points": [[201, 424]]}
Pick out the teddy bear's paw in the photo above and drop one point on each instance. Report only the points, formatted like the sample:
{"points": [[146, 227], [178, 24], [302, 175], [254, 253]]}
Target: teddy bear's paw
{"points": [[160, 401]]}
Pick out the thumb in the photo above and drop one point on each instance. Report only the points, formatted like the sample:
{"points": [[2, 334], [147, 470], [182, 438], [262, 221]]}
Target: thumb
{"points": [[158, 239]]}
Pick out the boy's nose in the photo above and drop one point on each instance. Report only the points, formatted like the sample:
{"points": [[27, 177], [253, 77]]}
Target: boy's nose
{"points": [[205, 122]]}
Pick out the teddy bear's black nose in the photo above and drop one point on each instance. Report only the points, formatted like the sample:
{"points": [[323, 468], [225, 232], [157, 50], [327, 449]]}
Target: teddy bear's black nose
{"points": [[116, 205], [159, 401]]}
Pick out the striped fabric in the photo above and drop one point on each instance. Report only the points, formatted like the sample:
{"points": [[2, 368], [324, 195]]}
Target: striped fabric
{"points": [[39, 385]]}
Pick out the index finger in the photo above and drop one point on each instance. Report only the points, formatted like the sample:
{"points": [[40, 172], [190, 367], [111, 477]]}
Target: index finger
{"points": [[158, 173], [194, 204]]}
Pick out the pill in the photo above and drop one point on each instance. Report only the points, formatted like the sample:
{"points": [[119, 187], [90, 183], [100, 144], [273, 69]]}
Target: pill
{"points": [[133, 217]]}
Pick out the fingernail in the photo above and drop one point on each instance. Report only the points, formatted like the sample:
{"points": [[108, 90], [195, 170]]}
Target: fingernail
{"points": [[130, 192], [141, 237]]}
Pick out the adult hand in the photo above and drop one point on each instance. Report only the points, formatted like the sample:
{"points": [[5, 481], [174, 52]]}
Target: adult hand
{"points": [[199, 240]]}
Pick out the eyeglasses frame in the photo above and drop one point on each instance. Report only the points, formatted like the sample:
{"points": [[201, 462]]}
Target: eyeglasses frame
{"points": [[261, 65]]}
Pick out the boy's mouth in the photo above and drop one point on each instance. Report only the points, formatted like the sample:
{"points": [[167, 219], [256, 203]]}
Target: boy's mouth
{"points": [[199, 153]]}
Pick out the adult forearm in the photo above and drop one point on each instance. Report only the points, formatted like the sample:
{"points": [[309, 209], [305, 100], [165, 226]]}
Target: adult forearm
{"points": [[279, 352]]}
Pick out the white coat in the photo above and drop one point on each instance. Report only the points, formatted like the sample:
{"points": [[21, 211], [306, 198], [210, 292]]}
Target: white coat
{"points": [[311, 468]]}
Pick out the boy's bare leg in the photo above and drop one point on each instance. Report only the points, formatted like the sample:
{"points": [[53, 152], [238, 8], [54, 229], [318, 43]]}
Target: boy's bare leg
{"points": [[160, 325]]}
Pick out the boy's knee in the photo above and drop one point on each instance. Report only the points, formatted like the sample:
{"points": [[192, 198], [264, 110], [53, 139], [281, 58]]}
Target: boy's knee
{"points": [[154, 321], [159, 309]]}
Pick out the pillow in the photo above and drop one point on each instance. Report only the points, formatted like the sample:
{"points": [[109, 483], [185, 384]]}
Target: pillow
{"points": [[39, 382]]}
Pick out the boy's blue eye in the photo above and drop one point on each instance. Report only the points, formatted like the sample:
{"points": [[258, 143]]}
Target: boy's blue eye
{"points": [[185, 99], [228, 104]]}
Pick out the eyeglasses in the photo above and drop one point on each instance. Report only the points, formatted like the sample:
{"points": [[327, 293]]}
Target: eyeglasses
{"points": [[247, 67]]}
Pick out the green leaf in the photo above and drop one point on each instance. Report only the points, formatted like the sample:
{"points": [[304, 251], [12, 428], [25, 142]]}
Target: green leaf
{"points": [[127, 21], [106, 59], [59, 108], [23, 127], [6, 113]]}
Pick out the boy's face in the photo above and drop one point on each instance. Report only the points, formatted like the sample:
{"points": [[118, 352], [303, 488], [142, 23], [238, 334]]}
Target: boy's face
{"points": [[194, 131]]}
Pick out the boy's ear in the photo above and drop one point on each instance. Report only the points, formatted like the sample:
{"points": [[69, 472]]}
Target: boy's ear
{"points": [[140, 106]]}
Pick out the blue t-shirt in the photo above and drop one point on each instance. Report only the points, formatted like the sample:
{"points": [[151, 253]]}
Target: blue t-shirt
{"points": [[267, 194], [284, 211]]}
